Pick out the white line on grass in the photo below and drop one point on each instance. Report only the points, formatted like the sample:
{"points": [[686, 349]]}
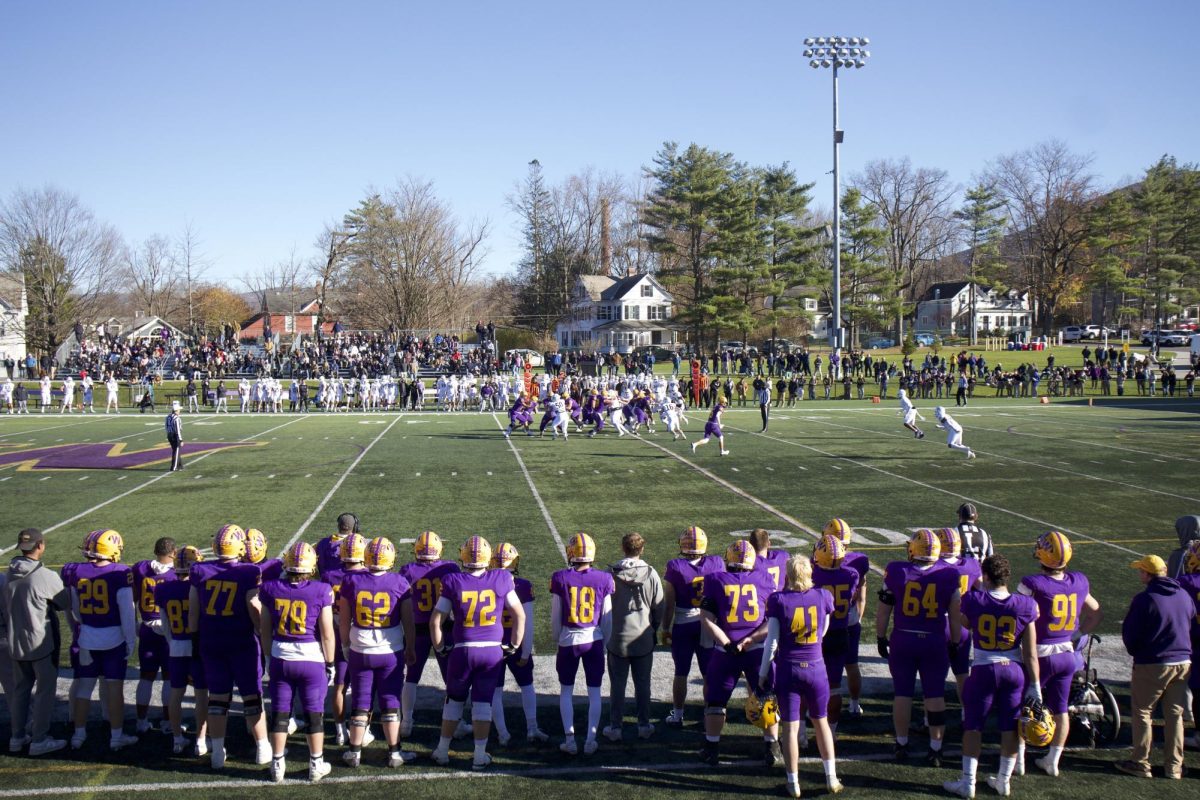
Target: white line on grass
{"points": [[321, 506], [1087, 443], [50, 428], [562, 548], [141, 486]]}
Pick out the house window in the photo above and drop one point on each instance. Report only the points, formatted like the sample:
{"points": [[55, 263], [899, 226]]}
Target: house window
{"points": [[983, 320], [602, 312], [647, 290], [656, 312], [633, 312], [1012, 321], [810, 304]]}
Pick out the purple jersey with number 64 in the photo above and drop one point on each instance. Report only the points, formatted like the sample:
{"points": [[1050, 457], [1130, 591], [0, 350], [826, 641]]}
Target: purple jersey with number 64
{"points": [[478, 603], [922, 596], [295, 608]]}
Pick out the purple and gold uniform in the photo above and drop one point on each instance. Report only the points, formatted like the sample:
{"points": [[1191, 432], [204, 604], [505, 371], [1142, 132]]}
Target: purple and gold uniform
{"points": [[801, 681], [521, 412], [183, 663], [376, 637], [477, 603], [228, 642], [969, 572], [425, 578], [840, 583], [860, 563], [774, 563], [68, 578], [334, 578], [328, 557], [740, 603], [582, 595], [297, 666], [918, 641], [686, 577], [712, 428], [1059, 603], [152, 647], [523, 675], [997, 679], [271, 569], [104, 597], [1191, 585]]}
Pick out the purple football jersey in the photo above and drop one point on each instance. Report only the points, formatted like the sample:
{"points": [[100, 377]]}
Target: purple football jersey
{"points": [[582, 593], [375, 598], [327, 554], [969, 572], [840, 583], [1059, 603], [1191, 585], [859, 562], [68, 578], [741, 599], [998, 624], [145, 580], [97, 587], [922, 595], [801, 617], [222, 588], [426, 577], [271, 569], [172, 599], [688, 579], [774, 563], [525, 595], [295, 608], [478, 604]]}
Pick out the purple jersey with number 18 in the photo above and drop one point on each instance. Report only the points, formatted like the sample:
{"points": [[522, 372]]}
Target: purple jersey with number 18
{"points": [[582, 593]]}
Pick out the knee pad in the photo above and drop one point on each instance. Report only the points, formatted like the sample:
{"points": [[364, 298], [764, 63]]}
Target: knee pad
{"points": [[280, 722], [84, 688], [316, 721], [218, 708], [252, 706], [390, 715], [714, 711], [937, 718], [481, 712], [359, 720], [453, 709]]}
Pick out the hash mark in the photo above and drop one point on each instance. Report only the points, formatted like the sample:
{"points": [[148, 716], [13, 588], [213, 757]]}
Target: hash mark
{"points": [[46, 478], [84, 478], [270, 476]]}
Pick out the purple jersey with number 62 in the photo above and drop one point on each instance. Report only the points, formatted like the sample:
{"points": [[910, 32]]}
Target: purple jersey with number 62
{"points": [[295, 608], [740, 598], [374, 598], [1059, 603], [478, 603]]}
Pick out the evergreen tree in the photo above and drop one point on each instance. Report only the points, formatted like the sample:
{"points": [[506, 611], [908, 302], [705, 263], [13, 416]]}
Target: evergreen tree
{"points": [[866, 279], [982, 229]]}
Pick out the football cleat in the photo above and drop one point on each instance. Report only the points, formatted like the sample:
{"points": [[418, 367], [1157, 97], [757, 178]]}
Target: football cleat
{"points": [[961, 787], [119, 741], [693, 541], [1053, 550], [103, 544], [793, 789], [645, 731], [772, 755], [300, 559], [505, 739], [581, 549], [829, 551], [77, 739], [353, 549], [724, 452], [1002, 787], [475, 553], [427, 547], [951, 542], [1047, 766], [351, 758], [256, 545], [840, 528], [934, 758], [505, 556], [740, 555], [17, 743], [1191, 558], [537, 735], [1035, 724], [710, 753], [217, 757], [318, 769], [229, 542], [480, 763], [924, 546], [398, 758], [570, 746], [46, 746], [590, 746], [611, 733], [278, 770], [834, 785], [380, 554], [202, 747], [440, 757], [143, 726]]}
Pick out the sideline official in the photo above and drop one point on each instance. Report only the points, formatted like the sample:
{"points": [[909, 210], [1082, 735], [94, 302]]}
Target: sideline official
{"points": [[175, 436]]}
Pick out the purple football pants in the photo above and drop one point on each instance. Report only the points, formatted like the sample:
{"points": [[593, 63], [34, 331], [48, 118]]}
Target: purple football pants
{"points": [[378, 675], [474, 671], [303, 679], [995, 687], [801, 685]]}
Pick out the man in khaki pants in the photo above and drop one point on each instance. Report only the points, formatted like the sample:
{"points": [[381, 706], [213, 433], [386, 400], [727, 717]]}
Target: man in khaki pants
{"points": [[1156, 633]]}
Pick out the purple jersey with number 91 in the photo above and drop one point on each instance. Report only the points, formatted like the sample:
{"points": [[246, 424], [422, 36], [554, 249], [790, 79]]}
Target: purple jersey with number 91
{"points": [[295, 608], [478, 603], [1059, 603], [582, 593], [740, 598]]}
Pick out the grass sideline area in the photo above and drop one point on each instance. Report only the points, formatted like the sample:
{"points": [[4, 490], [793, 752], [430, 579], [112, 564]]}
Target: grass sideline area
{"points": [[1113, 476]]}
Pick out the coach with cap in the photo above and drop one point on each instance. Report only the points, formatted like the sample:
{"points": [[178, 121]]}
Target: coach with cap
{"points": [[175, 436], [29, 605], [1156, 631]]}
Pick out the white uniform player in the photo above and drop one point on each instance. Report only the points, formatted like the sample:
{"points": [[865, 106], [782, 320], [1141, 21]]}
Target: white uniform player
{"points": [[114, 389], [909, 411], [561, 419], [68, 398], [953, 431], [6, 395], [668, 412], [44, 386]]}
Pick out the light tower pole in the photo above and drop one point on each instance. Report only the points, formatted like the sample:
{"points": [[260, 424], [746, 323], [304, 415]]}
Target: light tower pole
{"points": [[834, 52]]}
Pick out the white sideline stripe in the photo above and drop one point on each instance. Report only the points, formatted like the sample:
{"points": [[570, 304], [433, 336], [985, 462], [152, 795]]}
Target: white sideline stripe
{"points": [[562, 548], [321, 506], [1002, 509], [141, 486]]}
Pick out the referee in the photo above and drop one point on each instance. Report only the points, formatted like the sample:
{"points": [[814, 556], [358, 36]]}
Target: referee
{"points": [[975, 541], [175, 436], [762, 396]]}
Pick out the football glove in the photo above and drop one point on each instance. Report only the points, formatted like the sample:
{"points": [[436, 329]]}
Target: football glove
{"points": [[881, 643], [443, 649], [508, 649], [330, 670], [1033, 694], [731, 648]]}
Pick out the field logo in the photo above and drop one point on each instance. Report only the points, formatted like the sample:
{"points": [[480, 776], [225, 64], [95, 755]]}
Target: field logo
{"points": [[99, 455]]}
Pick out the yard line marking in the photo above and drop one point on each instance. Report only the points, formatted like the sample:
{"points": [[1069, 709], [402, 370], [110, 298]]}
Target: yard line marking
{"points": [[44, 479], [1159, 460], [198, 477], [84, 478], [770, 469], [234, 475], [141, 486], [1097, 462], [735, 469], [123, 477], [1087, 443], [6, 478], [272, 475], [1127, 461], [1002, 509], [803, 468], [329, 496], [562, 548], [309, 475]]}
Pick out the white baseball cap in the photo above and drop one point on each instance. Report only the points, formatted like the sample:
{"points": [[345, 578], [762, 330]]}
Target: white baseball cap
{"points": [[175, 405]]}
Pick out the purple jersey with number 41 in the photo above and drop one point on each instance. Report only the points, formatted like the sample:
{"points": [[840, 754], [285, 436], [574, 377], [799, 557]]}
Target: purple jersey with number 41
{"points": [[478, 603], [801, 617]]}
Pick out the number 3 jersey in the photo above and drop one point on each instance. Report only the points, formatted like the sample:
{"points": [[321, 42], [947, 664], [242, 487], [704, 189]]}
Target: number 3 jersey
{"points": [[581, 595], [222, 588], [374, 599], [294, 610], [922, 596], [687, 578], [477, 603], [1059, 603], [802, 618], [740, 600], [426, 577], [997, 624]]}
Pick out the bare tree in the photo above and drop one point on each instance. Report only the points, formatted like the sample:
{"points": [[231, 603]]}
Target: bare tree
{"points": [[65, 256], [153, 277], [192, 265]]}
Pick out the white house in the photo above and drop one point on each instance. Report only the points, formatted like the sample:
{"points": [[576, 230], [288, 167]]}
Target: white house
{"points": [[613, 314], [946, 308], [14, 309]]}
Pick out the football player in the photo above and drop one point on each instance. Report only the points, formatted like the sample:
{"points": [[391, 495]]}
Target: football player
{"points": [[712, 429], [519, 663], [183, 661], [829, 572], [352, 551], [1066, 610], [328, 549], [224, 611], [772, 562], [102, 602], [296, 628], [797, 620], [1004, 638], [152, 647], [732, 609], [477, 599], [683, 587], [910, 414], [256, 554], [954, 431], [375, 625], [917, 594], [969, 573], [1190, 581], [424, 575], [580, 623], [858, 608]]}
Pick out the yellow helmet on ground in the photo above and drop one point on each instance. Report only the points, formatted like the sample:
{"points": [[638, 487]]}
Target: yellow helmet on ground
{"points": [[380, 554], [505, 556], [428, 546], [1191, 558], [840, 528], [1035, 725], [256, 545], [1053, 549], [353, 548], [300, 559], [762, 713], [104, 544], [740, 555], [229, 542], [828, 551], [475, 553], [924, 546], [693, 541], [581, 549]]}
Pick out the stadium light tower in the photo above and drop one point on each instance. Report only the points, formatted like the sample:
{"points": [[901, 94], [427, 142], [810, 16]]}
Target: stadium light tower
{"points": [[835, 52]]}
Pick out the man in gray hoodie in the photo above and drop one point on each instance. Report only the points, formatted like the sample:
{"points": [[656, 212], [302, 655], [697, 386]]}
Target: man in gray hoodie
{"points": [[1188, 529], [637, 611], [29, 606]]}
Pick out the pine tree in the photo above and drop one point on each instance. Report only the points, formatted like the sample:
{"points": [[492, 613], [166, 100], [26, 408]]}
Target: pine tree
{"points": [[982, 228]]}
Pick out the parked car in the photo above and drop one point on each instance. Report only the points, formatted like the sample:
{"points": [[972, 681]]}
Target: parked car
{"points": [[1098, 331], [879, 342], [660, 353], [1166, 337], [771, 346], [735, 346], [534, 358], [1074, 333], [924, 339]]}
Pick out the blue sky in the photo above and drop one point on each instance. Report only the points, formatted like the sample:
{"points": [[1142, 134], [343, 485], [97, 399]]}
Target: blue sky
{"points": [[261, 121]]}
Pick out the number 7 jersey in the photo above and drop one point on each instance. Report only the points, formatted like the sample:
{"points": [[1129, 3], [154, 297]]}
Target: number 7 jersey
{"points": [[222, 587]]}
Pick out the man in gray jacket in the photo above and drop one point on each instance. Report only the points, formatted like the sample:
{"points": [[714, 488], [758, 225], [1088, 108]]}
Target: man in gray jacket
{"points": [[29, 606], [637, 611]]}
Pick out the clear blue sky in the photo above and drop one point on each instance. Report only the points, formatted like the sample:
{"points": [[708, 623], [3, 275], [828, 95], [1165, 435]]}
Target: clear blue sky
{"points": [[261, 121]]}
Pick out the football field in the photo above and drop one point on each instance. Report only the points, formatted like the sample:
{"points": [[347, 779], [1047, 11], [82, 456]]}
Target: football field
{"points": [[1113, 477]]}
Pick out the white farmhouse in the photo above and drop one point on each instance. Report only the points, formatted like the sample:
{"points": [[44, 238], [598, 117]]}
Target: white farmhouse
{"points": [[14, 308], [946, 308], [611, 314]]}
